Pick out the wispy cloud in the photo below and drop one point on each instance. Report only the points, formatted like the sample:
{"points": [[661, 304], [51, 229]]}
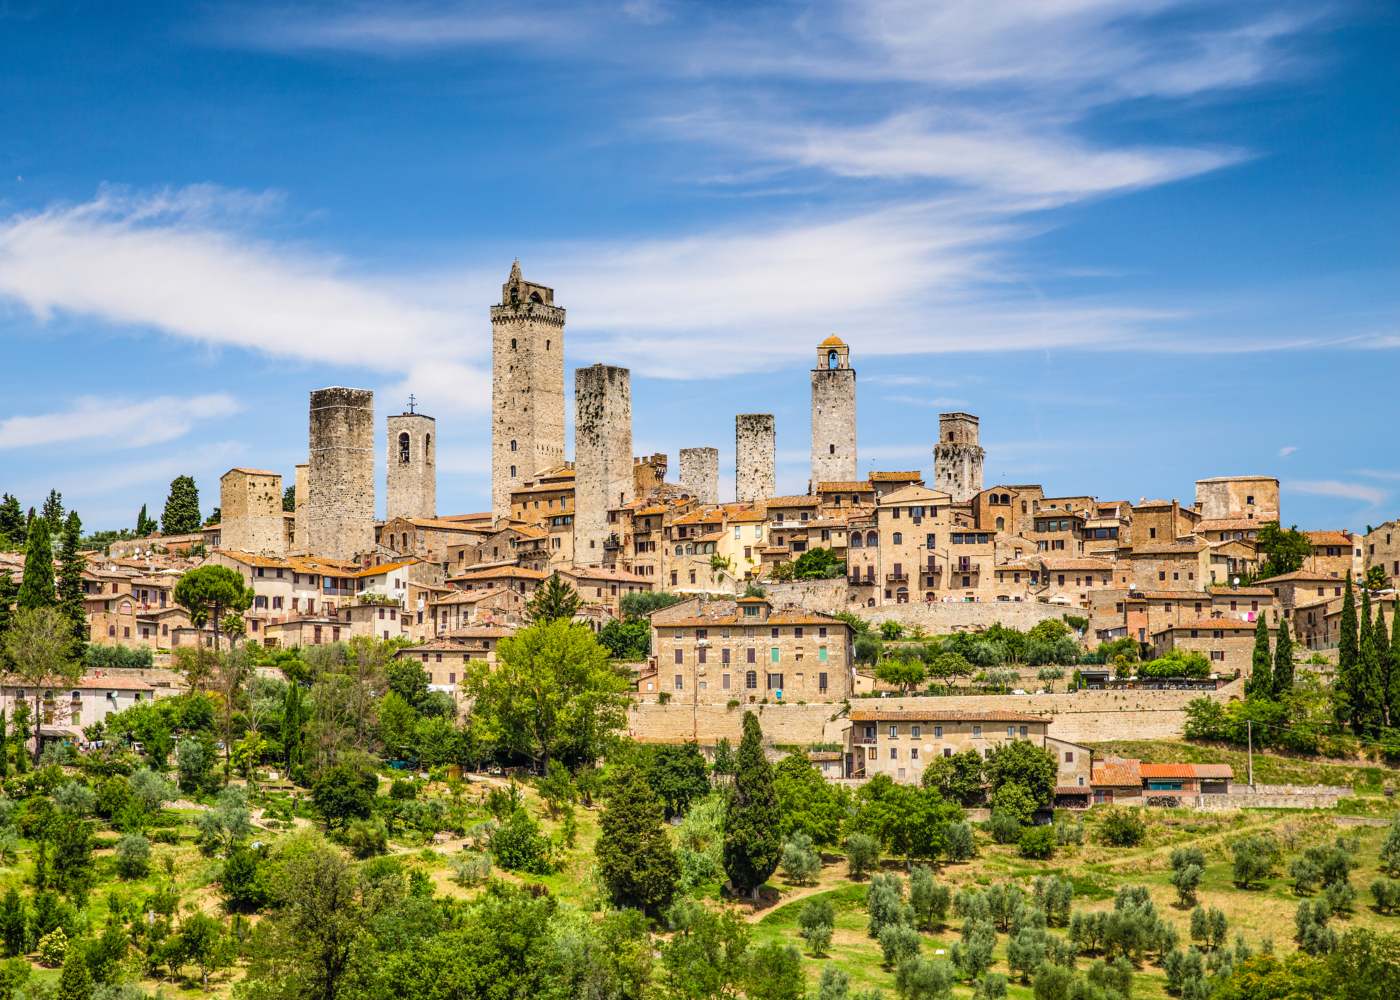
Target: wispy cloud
{"points": [[930, 402], [1338, 489], [1287, 450], [1389, 475], [115, 422]]}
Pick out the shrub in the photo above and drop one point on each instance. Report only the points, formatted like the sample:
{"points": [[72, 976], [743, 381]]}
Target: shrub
{"points": [[1069, 833], [924, 979], [1005, 828], [928, 899], [800, 861], [886, 904], [517, 845], [862, 854], [53, 948], [366, 838], [1038, 842], [1124, 827], [470, 869], [898, 942], [133, 856], [959, 843], [815, 922], [1386, 892], [1255, 858]]}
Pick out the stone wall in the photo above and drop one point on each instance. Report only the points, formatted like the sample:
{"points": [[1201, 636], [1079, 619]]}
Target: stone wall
{"points": [[833, 425], [302, 491], [412, 466], [707, 724], [1229, 496], [527, 387], [755, 452], [250, 512], [831, 596], [340, 500], [700, 473], [1241, 796], [602, 455], [958, 456]]}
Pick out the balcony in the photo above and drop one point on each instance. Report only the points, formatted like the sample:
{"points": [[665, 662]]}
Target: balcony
{"points": [[966, 566], [897, 576], [612, 543]]}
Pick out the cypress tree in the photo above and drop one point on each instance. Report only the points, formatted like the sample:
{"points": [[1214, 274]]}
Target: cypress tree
{"points": [[8, 594], [1392, 692], [4, 745], [1368, 672], [12, 523], [752, 845], [635, 859], [53, 511], [1345, 694], [1261, 677], [76, 982], [1383, 653], [181, 514], [36, 590], [552, 601], [1283, 659], [291, 727], [70, 581]]}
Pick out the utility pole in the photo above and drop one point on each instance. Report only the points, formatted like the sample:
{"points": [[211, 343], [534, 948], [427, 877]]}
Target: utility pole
{"points": [[1249, 736]]}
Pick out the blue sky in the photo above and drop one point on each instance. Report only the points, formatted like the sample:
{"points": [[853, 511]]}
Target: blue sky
{"points": [[1146, 242]]}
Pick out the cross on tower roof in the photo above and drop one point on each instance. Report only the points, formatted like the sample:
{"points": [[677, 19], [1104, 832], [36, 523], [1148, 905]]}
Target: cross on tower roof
{"points": [[412, 402]]}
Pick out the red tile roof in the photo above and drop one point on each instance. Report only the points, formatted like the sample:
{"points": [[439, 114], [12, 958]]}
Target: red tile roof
{"points": [[1187, 771]]}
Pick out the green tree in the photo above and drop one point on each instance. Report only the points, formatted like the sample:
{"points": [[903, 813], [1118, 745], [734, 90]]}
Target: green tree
{"points": [[818, 564], [36, 589], [1347, 701], [635, 859], [1281, 551], [13, 528], [552, 693], [752, 844], [1383, 653], [71, 566], [1368, 692], [627, 638], [293, 718], [345, 791], [52, 511], [1282, 681], [958, 777], [181, 514], [816, 922], [1255, 857], [208, 591], [1392, 690], [145, 524], [905, 673], [39, 649], [9, 592], [14, 923], [807, 802], [76, 982], [289, 499], [678, 774], [1021, 762], [1261, 674], [554, 600]]}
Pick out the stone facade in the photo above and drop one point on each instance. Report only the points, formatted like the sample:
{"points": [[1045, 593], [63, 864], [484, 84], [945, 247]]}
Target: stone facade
{"points": [[340, 487], [958, 457], [700, 473], [833, 414], [527, 387], [1252, 497], [302, 490], [755, 455], [251, 518], [900, 742], [1383, 550], [649, 473], [412, 465], [603, 476]]}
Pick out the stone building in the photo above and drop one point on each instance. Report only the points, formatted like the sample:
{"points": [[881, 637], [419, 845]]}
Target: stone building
{"points": [[1251, 497], [527, 387], [412, 465], [1227, 643], [603, 475], [300, 491], [958, 456], [1383, 550], [901, 741], [755, 455], [648, 473], [251, 517], [700, 473], [340, 481], [833, 414]]}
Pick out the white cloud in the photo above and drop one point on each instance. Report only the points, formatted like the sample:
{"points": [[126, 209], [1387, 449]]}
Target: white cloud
{"points": [[1359, 492], [116, 422], [1287, 450]]}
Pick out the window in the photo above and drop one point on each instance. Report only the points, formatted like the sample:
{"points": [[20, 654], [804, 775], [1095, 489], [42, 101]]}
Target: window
{"points": [[913, 753], [821, 682], [680, 656], [894, 732], [915, 731], [404, 449], [680, 682], [724, 681], [774, 655], [977, 732], [938, 732], [1069, 756], [751, 678], [751, 655], [894, 753]]}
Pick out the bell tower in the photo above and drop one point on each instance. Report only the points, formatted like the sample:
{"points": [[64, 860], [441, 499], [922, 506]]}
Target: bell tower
{"points": [[833, 414]]}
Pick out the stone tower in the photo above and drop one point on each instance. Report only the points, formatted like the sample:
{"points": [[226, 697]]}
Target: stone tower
{"points": [[300, 489], [412, 465], [755, 451], [527, 387], [957, 457], [833, 414], [250, 512], [700, 473], [603, 476], [340, 480]]}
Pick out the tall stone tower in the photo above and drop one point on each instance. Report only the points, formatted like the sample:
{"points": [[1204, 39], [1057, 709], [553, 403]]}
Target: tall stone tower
{"points": [[602, 455], [833, 414], [340, 480], [700, 473], [412, 465], [957, 457], [755, 452], [250, 512], [300, 490], [527, 387]]}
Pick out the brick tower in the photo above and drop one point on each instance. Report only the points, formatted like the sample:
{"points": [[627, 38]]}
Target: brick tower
{"points": [[833, 414], [527, 387], [412, 465], [603, 475], [957, 457], [340, 480]]}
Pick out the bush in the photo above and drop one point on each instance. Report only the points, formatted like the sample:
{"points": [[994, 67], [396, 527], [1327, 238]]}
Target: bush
{"points": [[517, 845], [886, 904], [862, 854], [118, 657], [815, 922], [1069, 833], [1255, 858], [53, 948], [1005, 828], [1386, 892], [366, 838], [1124, 827], [133, 856], [924, 979], [800, 861], [470, 869], [898, 942], [1038, 842], [959, 843], [928, 899]]}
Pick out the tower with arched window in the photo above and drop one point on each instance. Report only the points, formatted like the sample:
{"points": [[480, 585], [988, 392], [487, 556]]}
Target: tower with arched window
{"points": [[412, 466], [833, 414], [527, 386]]}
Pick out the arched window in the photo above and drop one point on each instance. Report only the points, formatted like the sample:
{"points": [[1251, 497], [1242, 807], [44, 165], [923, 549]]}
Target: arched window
{"points": [[512, 445], [855, 540], [512, 472], [872, 539], [833, 359], [403, 448], [512, 343], [751, 679], [899, 538], [535, 298], [427, 447], [1001, 524], [546, 344]]}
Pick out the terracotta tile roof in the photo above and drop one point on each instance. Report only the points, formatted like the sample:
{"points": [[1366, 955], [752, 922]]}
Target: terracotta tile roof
{"points": [[495, 572], [839, 486], [1073, 563], [1242, 592], [1118, 773], [792, 501], [469, 596], [1187, 771], [436, 646], [251, 472], [484, 632], [1331, 537], [1173, 595], [896, 477], [913, 493], [832, 341], [382, 569], [251, 559], [1231, 624], [1301, 575], [940, 715], [603, 573], [440, 523]]}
